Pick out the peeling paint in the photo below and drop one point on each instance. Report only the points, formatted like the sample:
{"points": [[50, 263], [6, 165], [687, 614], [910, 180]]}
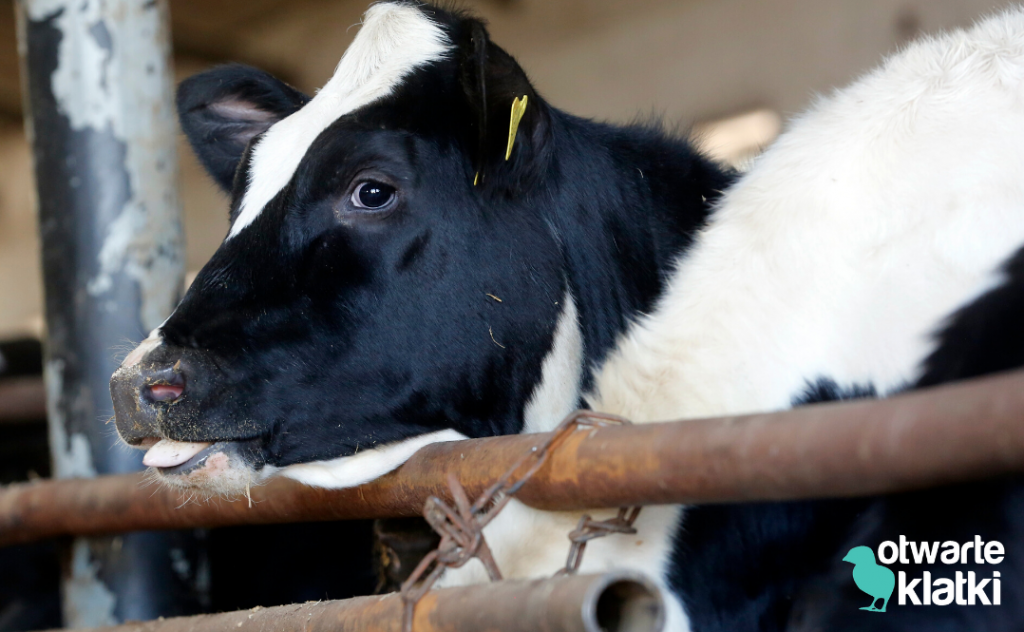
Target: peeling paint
{"points": [[69, 452], [111, 78], [181, 564], [87, 601]]}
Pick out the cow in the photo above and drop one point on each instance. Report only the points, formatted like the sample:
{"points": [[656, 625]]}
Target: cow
{"points": [[427, 250], [406, 264]]}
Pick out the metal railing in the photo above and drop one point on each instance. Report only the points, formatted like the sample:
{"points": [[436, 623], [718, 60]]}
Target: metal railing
{"points": [[953, 433], [959, 432], [613, 602]]}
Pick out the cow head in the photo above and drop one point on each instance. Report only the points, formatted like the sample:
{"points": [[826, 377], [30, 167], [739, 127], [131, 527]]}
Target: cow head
{"points": [[393, 274], [370, 296]]}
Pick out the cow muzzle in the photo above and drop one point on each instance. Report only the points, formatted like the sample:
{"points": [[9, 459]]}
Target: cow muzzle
{"points": [[152, 412], [144, 395]]}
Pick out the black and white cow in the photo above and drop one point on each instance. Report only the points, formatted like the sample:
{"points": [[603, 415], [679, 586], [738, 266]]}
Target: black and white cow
{"points": [[408, 265]]}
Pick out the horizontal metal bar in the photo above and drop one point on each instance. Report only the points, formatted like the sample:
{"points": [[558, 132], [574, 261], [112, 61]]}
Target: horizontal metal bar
{"points": [[628, 603], [954, 433], [22, 399]]}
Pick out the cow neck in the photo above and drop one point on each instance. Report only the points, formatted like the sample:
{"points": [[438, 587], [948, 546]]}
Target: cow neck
{"points": [[628, 204]]}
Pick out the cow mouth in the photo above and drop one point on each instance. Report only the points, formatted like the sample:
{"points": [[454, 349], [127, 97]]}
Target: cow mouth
{"points": [[212, 467]]}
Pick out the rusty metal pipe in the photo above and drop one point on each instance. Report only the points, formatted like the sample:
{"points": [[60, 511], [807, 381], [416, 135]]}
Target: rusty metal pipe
{"points": [[613, 602], [931, 437]]}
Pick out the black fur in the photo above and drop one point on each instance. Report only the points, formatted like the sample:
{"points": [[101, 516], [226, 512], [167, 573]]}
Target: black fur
{"points": [[742, 567], [827, 390], [986, 336]]}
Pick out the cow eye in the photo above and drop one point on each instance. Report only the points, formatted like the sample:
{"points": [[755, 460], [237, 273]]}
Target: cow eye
{"points": [[372, 195]]}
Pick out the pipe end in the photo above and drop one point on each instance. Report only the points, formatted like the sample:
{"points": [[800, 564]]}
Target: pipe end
{"points": [[624, 602]]}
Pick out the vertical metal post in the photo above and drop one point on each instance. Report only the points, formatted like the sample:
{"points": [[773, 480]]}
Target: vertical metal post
{"points": [[100, 118]]}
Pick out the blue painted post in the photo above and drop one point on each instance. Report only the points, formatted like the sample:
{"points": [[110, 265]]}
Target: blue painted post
{"points": [[100, 118]]}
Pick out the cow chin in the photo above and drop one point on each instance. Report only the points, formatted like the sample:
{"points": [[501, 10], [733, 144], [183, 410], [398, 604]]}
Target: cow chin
{"points": [[216, 470]]}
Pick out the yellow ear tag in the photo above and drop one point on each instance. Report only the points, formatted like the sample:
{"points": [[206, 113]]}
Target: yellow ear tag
{"points": [[518, 109], [476, 178]]}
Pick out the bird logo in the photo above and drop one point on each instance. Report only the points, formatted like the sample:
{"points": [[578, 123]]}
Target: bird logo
{"points": [[877, 581]]}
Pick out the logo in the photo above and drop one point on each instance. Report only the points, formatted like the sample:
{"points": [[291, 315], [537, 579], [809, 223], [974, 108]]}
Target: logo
{"points": [[877, 581], [962, 589]]}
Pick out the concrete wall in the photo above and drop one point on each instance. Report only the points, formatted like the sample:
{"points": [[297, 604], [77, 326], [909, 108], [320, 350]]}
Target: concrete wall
{"points": [[685, 61]]}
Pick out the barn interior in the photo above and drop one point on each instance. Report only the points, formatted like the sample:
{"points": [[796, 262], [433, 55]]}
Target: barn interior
{"points": [[727, 72]]}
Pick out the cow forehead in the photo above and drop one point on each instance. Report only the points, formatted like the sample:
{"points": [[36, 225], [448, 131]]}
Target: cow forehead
{"points": [[394, 40]]}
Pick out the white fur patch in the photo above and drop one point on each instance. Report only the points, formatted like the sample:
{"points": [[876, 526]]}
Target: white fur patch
{"points": [[557, 393], [153, 341], [366, 465], [884, 209], [395, 39]]}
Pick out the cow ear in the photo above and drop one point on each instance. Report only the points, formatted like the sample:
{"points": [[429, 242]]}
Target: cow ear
{"points": [[512, 122], [222, 109]]}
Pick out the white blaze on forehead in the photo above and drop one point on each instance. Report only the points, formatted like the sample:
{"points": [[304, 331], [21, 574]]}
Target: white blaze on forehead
{"points": [[395, 39]]}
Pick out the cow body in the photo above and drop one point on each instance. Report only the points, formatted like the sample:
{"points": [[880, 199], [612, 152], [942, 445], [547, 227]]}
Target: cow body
{"points": [[875, 248], [406, 265], [850, 245]]}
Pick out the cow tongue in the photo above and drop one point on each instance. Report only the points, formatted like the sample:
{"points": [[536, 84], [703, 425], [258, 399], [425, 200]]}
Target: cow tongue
{"points": [[169, 453]]}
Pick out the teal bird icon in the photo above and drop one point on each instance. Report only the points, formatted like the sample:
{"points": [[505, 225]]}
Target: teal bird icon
{"points": [[877, 581]]}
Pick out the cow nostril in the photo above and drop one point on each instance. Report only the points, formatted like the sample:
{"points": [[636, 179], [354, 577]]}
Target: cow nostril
{"points": [[163, 385], [165, 392]]}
